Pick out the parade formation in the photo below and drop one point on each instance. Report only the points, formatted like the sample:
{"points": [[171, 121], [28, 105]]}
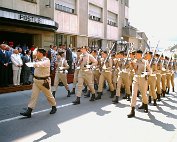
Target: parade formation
{"points": [[128, 73]]}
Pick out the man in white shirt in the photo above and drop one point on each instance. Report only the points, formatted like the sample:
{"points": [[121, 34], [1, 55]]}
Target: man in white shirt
{"points": [[16, 67]]}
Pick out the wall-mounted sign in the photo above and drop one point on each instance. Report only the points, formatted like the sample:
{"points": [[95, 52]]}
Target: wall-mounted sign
{"points": [[26, 17]]}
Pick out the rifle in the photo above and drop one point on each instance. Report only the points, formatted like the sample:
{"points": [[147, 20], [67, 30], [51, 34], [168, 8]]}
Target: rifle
{"points": [[109, 53], [153, 54]]}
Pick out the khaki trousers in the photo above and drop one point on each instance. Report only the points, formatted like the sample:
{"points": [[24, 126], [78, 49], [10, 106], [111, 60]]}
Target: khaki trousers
{"points": [[158, 82], [163, 79], [152, 86], [106, 75], [114, 77], [75, 79], [139, 83], [60, 77], [87, 77], [125, 79], [172, 79], [96, 74], [37, 87], [168, 79]]}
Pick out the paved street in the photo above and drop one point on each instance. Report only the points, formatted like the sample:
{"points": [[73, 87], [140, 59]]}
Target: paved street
{"points": [[99, 121]]}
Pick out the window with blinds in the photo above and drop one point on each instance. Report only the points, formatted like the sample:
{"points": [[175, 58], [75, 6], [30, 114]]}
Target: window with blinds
{"points": [[95, 13], [112, 19], [68, 6]]}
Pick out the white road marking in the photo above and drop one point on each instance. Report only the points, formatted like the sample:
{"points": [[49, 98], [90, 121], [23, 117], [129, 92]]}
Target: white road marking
{"points": [[37, 112]]}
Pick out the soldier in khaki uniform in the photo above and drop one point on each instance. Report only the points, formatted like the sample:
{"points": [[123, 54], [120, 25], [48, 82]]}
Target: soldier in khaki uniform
{"points": [[123, 77], [158, 77], [61, 73], [171, 72], [115, 69], [139, 82], [42, 82], [86, 62], [152, 77], [76, 72], [168, 74], [106, 74]]}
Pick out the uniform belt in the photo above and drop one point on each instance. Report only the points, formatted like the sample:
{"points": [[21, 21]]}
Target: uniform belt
{"points": [[139, 75], [41, 78]]}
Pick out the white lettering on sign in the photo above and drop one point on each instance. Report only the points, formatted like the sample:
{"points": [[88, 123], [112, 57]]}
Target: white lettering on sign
{"points": [[26, 17]]}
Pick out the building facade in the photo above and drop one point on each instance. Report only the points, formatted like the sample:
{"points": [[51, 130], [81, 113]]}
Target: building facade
{"points": [[22, 24], [94, 23]]}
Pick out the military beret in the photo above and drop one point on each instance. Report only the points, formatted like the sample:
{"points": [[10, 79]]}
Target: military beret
{"points": [[139, 51]]}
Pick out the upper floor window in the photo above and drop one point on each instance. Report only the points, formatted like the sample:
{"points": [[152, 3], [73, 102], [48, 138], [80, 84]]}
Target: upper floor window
{"points": [[66, 5], [95, 13], [112, 19], [33, 1]]}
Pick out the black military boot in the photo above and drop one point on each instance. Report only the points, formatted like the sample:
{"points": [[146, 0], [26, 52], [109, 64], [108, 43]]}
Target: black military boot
{"points": [[77, 101], [167, 91], [85, 89], [155, 104], [53, 93], [69, 94], [132, 113], [173, 89], [128, 97], [88, 94], [98, 96], [163, 93], [113, 94], [125, 97], [54, 109], [145, 108], [150, 100], [73, 91], [92, 97], [158, 97], [142, 106], [115, 100], [27, 113]]}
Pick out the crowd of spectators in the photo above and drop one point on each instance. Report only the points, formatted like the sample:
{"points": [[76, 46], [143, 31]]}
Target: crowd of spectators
{"points": [[13, 59]]}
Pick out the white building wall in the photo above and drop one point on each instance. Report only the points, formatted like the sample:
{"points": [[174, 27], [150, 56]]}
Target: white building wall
{"points": [[95, 29], [68, 23], [126, 12], [21, 5], [112, 33], [99, 3], [113, 6]]}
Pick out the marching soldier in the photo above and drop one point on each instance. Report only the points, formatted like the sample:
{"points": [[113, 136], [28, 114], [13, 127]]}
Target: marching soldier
{"points": [[168, 74], [76, 72], [152, 77], [61, 73], [42, 82], [139, 82], [163, 75], [171, 71], [86, 62], [158, 77], [123, 77], [106, 74]]}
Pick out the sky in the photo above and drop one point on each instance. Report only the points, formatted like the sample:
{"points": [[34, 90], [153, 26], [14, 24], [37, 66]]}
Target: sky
{"points": [[157, 18]]}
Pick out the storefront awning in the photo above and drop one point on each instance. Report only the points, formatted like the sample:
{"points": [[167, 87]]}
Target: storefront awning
{"points": [[19, 18]]}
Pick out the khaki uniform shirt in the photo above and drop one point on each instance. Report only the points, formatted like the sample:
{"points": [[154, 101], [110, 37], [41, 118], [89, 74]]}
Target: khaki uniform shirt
{"points": [[42, 67]]}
